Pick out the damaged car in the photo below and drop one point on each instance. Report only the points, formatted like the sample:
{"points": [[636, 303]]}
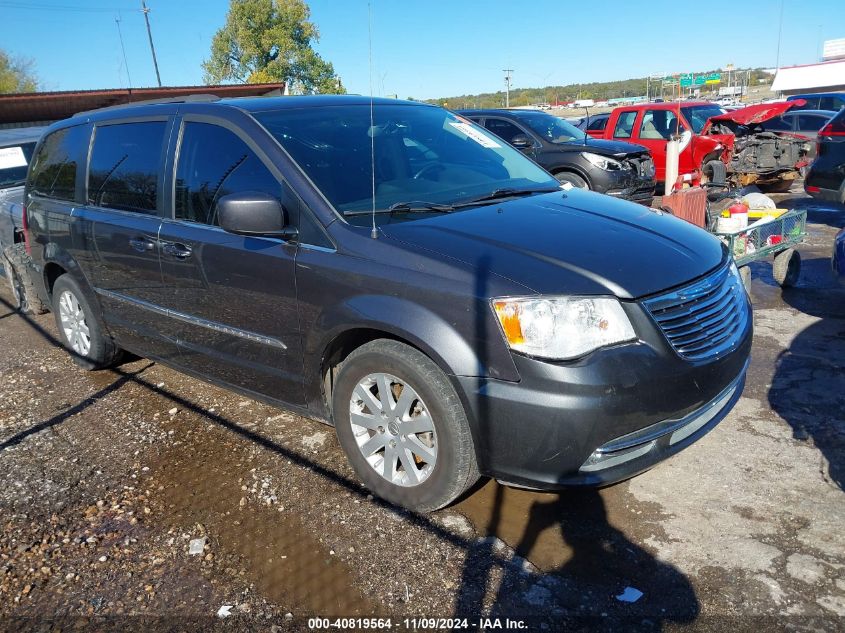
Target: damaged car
{"points": [[715, 145]]}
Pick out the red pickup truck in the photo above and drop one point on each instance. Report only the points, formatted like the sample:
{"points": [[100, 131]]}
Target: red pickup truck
{"points": [[715, 145]]}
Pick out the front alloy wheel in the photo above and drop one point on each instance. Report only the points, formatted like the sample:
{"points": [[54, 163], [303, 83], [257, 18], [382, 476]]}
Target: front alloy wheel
{"points": [[393, 429], [74, 325]]}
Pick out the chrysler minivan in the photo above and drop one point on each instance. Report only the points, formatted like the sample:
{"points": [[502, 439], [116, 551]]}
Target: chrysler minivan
{"points": [[395, 270]]}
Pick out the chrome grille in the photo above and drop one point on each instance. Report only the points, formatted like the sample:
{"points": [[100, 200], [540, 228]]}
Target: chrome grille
{"points": [[705, 319]]}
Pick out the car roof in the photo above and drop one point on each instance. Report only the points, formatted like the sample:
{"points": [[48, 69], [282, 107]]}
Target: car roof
{"points": [[816, 94], [827, 113], [243, 104], [668, 105], [502, 112], [21, 135]]}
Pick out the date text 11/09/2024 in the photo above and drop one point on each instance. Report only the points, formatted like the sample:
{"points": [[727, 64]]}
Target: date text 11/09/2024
{"points": [[416, 624]]}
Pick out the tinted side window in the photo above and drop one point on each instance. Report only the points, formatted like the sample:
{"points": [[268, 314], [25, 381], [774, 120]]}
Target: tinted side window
{"points": [[659, 124], [54, 168], [214, 162], [125, 165], [503, 129], [598, 124], [810, 123], [779, 124], [625, 124], [831, 103]]}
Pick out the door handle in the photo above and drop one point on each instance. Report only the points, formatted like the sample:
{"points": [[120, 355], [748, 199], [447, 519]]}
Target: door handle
{"points": [[179, 251], [141, 244]]}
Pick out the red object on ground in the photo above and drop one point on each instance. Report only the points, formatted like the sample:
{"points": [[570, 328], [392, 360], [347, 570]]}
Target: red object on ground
{"points": [[688, 204]]}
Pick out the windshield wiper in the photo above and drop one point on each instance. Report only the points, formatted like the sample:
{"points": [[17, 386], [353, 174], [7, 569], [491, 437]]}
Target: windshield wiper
{"points": [[415, 206], [498, 194]]}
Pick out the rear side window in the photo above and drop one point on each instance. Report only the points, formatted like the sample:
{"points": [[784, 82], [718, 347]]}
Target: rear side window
{"points": [[13, 162], [125, 166], [598, 125], [831, 103], [214, 162], [54, 168], [779, 124], [625, 124], [810, 123], [503, 129]]}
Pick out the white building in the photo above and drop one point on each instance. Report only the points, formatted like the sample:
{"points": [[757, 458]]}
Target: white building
{"points": [[822, 77]]}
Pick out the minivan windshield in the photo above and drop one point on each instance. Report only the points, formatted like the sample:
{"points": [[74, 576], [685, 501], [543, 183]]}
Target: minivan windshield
{"points": [[423, 157], [551, 128]]}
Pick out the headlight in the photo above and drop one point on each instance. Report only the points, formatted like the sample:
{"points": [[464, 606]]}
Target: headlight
{"points": [[602, 162], [562, 327]]}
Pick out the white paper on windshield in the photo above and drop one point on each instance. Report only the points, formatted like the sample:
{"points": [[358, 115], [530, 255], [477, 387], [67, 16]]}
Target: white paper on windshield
{"points": [[475, 135], [11, 157]]}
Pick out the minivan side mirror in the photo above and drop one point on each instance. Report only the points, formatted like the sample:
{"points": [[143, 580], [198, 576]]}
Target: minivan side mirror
{"points": [[254, 213], [522, 141]]}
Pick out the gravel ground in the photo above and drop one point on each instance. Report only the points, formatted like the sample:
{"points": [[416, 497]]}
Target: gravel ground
{"points": [[138, 498]]}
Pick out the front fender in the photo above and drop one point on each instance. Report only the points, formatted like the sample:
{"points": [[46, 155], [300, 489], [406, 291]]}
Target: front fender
{"points": [[423, 328]]}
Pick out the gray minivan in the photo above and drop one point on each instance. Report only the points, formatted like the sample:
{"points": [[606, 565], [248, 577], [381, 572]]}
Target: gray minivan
{"points": [[395, 270]]}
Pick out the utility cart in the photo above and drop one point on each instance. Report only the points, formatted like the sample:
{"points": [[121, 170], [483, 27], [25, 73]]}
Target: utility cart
{"points": [[777, 236], [769, 232]]}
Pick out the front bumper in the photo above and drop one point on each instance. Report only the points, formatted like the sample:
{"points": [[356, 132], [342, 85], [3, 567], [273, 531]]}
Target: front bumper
{"points": [[624, 184], [600, 420]]}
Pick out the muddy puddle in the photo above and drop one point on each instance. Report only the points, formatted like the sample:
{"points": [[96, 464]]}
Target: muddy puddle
{"points": [[200, 489], [571, 530]]}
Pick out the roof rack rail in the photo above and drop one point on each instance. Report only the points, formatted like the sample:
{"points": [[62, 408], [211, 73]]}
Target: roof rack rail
{"points": [[195, 98]]}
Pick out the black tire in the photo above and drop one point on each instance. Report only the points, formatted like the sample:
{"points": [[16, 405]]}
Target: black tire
{"points": [[101, 351], [454, 469], [778, 186], [745, 275], [787, 267], [15, 268], [573, 179], [715, 171]]}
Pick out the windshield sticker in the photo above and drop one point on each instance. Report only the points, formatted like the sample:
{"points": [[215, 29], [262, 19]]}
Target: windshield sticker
{"points": [[12, 157], [475, 135]]}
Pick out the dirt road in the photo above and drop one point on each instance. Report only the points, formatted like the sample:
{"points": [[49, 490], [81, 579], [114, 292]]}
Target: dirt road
{"points": [[108, 478]]}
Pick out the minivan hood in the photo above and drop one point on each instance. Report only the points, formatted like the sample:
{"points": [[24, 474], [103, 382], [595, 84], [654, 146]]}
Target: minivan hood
{"points": [[573, 242], [603, 147]]}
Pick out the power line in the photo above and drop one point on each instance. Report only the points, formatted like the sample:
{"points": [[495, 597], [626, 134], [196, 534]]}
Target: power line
{"points": [[125, 63], [37, 6]]}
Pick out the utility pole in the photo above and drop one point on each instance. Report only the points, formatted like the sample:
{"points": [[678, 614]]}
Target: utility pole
{"points": [[146, 13], [507, 72]]}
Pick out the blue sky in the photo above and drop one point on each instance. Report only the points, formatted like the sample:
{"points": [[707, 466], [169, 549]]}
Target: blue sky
{"points": [[431, 48]]}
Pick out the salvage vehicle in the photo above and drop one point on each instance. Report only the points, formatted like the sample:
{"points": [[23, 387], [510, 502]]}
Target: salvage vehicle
{"points": [[622, 170], [16, 147], [392, 269], [716, 146], [826, 176]]}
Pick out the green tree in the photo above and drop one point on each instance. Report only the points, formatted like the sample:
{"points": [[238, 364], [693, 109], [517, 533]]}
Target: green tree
{"points": [[16, 74], [266, 41]]}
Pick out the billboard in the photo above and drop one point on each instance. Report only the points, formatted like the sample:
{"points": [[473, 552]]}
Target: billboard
{"points": [[834, 49]]}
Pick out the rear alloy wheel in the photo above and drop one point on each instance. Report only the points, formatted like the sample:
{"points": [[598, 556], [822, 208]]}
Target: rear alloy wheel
{"points": [[79, 328], [573, 179], [402, 426], [26, 299]]}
